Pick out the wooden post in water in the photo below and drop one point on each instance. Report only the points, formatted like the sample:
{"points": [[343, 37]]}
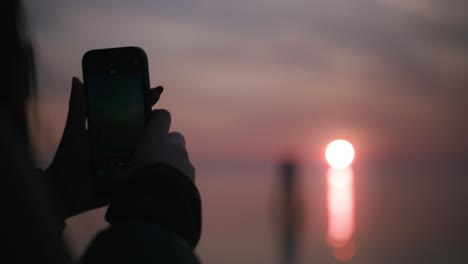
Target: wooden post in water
{"points": [[290, 211]]}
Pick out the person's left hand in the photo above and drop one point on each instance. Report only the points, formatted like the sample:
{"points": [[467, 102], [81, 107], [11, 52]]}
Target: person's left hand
{"points": [[69, 171]]}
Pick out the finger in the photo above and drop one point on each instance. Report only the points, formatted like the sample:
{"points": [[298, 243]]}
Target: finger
{"points": [[77, 106], [155, 94], [159, 124], [177, 137]]}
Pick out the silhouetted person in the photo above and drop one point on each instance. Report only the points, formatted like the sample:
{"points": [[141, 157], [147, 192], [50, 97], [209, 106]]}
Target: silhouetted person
{"points": [[155, 215]]}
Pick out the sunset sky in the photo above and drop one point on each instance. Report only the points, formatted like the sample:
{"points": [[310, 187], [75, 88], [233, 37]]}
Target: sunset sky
{"points": [[247, 81]]}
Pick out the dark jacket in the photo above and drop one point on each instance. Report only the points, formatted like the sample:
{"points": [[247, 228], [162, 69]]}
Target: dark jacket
{"points": [[155, 218]]}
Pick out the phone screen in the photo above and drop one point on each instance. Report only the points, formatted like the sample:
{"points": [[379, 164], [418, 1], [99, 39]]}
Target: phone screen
{"points": [[117, 85], [117, 108]]}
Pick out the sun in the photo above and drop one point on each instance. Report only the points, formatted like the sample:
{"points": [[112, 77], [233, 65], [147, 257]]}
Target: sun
{"points": [[339, 154]]}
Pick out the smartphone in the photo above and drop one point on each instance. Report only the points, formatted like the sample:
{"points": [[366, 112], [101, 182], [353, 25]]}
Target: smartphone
{"points": [[117, 85]]}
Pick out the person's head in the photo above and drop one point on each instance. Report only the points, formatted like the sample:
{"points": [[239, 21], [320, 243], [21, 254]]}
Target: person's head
{"points": [[20, 78]]}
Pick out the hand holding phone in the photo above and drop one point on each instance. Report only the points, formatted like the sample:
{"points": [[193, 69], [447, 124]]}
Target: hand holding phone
{"points": [[159, 145]]}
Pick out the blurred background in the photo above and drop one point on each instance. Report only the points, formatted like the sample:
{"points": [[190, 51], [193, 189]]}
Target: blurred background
{"points": [[248, 82]]}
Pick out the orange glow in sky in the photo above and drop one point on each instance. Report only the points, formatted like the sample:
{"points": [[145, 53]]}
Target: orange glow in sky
{"points": [[340, 203]]}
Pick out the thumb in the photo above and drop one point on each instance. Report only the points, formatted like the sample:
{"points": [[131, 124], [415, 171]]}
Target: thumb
{"points": [[77, 106]]}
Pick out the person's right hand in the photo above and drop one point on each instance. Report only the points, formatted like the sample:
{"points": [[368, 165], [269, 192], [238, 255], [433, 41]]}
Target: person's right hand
{"points": [[160, 146], [159, 188]]}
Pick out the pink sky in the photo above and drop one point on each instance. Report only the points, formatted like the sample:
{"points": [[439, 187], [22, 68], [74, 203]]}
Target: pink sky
{"points": [[252, 78]]}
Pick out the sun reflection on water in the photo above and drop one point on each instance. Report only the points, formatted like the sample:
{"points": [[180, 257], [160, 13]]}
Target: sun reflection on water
{"points": [[340, 205]]}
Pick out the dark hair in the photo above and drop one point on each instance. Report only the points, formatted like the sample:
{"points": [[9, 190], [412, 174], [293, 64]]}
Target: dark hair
{"points": [[30, 232], [20, 79]]}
